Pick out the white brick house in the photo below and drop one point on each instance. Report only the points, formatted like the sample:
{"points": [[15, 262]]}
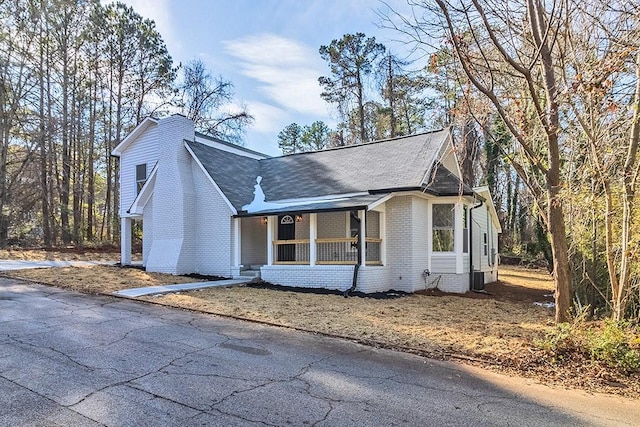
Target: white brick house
{"points": [[390, 214]]}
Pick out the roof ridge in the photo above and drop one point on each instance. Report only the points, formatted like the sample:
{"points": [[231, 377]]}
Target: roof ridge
{"points": [[228, 144], [363, 144]]}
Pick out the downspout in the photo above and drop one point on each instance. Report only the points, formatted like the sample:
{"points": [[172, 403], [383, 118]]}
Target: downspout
{"points": [[471, 243], [354, 283]]}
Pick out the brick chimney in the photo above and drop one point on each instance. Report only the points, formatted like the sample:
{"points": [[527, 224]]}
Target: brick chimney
{"points": [[173, 248]]}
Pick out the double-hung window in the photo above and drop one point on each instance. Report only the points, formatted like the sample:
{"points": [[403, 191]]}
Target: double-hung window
{"points": [[443, 227]]}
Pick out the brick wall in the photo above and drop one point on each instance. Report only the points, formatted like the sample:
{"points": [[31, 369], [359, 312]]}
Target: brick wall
{"points": [[332, 225], [211, 219], [147, 230], [372, 223], [173, 248]]}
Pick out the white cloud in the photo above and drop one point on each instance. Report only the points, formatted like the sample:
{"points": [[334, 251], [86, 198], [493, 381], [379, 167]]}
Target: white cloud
{"points": [[267, 118], [287, 71]]}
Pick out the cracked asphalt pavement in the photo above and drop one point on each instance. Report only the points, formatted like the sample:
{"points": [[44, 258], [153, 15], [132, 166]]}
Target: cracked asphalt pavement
{"points": [[70, 359]]}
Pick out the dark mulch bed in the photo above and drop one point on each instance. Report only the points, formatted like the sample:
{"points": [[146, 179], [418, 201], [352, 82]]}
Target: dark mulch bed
{"points": [[322, 291], [501, 291]]}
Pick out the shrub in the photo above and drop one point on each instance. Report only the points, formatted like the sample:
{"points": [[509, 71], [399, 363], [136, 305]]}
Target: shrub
{"points": [[615, 344]]}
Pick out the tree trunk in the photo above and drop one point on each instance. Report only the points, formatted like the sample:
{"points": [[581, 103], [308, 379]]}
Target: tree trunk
{"points": [[363, 133], [628, 208]]}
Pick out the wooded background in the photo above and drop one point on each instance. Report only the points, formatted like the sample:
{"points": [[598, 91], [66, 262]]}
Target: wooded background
{"points": [[543, 100]]}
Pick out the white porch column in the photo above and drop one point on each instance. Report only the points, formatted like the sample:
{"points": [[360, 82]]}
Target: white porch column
{"points": [[271, 220], [363, 237], [458, 237], [429, 233], [313, 233], [125, 240], [237, 236], [383, 235]]}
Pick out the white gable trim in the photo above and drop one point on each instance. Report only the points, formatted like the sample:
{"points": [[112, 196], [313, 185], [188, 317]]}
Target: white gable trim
{"points": [[195, 158], [484, 192], [379, 202], [145, 193], [446, 149], [133, 135], [228, 149]]}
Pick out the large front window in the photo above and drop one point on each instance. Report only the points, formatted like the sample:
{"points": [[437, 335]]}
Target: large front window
{"points": [[443, 227]]}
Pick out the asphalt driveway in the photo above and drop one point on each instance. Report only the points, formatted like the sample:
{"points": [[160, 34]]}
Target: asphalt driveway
{"points": [[76, 360]]}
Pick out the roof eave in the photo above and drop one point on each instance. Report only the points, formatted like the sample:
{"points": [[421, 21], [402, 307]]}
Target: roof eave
{"points": [[244, 214]]}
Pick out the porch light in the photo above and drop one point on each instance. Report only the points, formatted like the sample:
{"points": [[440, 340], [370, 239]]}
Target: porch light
{"points": [[264, 220], [298, 218]]}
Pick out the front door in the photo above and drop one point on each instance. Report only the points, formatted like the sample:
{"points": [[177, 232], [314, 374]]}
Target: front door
{"points": [[286, 231]]}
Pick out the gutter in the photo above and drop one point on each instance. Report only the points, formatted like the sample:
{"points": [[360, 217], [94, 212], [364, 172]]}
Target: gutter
{"points": [[356, 267], [470, 219]]}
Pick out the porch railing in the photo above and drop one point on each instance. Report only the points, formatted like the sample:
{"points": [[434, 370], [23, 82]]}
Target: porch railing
{"points": [[345, 251], [291, 251], [336, 251]]}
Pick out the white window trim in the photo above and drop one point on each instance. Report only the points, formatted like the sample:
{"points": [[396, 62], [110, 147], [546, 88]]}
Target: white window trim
{"points": [[434, 252]]}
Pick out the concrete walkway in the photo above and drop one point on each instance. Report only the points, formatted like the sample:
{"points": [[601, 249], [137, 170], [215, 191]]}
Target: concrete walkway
{"points": [[6, 265], [164, 289]]}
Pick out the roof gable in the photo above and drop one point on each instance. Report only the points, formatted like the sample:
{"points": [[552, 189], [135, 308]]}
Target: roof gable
{"points": [[135, 133]]}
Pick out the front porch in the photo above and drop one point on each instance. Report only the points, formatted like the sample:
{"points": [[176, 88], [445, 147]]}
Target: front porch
{"points": [[310, 239]]}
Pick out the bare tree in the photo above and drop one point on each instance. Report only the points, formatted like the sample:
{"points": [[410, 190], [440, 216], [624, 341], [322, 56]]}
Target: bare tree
{"points": [[206, 101], [601, 72], [508, 55]]}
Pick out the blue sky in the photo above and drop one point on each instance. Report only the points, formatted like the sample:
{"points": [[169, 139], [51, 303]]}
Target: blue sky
{"points": [[268, 49]]}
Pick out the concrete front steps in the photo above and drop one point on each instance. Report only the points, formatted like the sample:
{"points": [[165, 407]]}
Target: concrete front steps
{"points": [[250, 272]]}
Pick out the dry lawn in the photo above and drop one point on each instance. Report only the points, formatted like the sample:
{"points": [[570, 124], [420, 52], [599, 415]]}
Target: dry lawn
{"points": [[71, 254], [434, 325], [98, 279], [497, 329]]}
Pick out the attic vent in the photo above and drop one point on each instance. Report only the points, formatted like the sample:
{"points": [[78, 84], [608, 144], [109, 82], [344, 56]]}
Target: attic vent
{"points": [[287, 219]]}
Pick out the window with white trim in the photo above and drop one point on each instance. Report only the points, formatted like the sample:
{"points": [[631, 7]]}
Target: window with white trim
{"points": [[443, 227], [485, 244], [141, 176]]}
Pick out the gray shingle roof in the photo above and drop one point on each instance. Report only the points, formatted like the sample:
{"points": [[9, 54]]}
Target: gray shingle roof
{"points": [[400, 163]]}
